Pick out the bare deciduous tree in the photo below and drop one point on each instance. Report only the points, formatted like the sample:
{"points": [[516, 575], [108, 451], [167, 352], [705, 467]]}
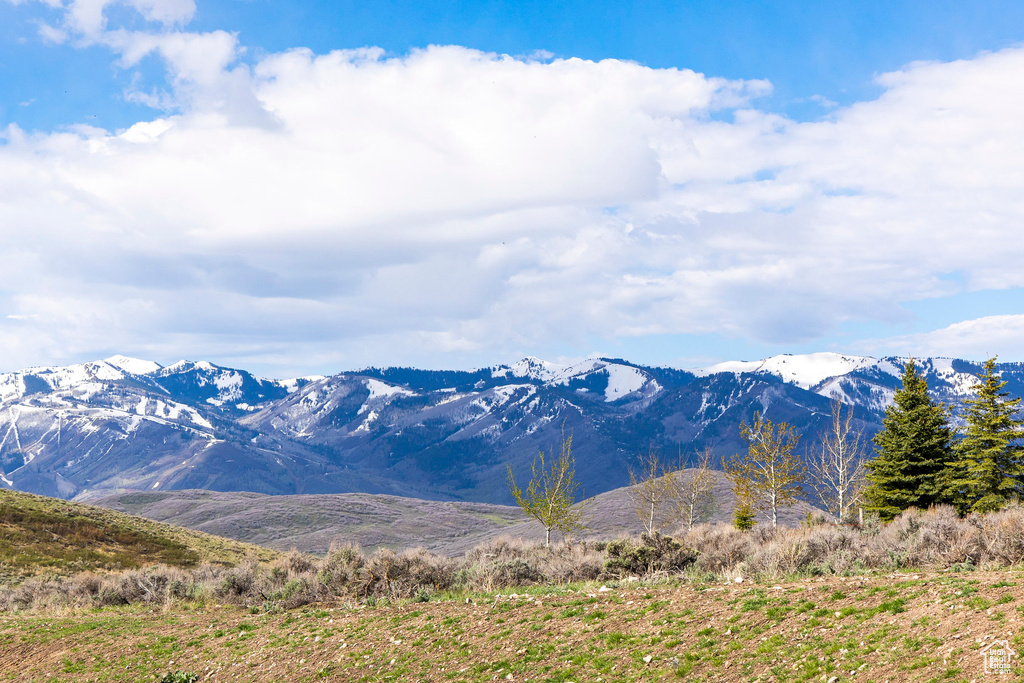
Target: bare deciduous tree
{"points": [[693, 489], [836, 467], [651, 489]]}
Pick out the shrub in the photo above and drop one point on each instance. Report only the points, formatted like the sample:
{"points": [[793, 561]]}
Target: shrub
{"points": [[721, 546], [824, 549], [653, 553], [569, 563], [1002, 536], [238, 582], [504, 562], [506, 573], [933, 538], [297, 563], [936, 537], [339, 571], [391, 575]]}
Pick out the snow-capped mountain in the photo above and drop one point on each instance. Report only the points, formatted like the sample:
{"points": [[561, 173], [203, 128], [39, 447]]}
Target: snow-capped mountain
{"points": [[806, 371], [123, 423], [869, 382]]}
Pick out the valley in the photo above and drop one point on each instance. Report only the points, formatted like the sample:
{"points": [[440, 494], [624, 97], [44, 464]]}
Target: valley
{"points": [[312, 523]]}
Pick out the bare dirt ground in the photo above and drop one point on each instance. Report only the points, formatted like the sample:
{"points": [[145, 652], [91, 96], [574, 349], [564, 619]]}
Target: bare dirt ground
{"points": [[896, 627]]}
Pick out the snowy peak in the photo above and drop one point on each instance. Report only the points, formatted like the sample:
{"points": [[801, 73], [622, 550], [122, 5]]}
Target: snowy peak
{"points": [[202, 381], [859, 380], [806, 371], [183, 366], [48, 379], [133, 366], [622, 380], [529, 368]]}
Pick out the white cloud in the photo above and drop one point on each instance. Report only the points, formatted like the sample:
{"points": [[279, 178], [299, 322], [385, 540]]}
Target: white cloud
{"points": [[980, 338], [87, 17], [395, 209]]}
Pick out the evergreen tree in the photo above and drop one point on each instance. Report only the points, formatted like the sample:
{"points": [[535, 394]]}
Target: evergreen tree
{"points": [[989, 472], [743, 516], [914, 451]]}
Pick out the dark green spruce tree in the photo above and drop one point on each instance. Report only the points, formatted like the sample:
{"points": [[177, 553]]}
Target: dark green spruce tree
{"points": [[989, 471], [914, 451]]}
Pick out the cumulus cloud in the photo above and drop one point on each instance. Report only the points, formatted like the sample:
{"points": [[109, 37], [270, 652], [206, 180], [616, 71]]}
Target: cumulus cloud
{"points": [[454, 204], [980, 338]]}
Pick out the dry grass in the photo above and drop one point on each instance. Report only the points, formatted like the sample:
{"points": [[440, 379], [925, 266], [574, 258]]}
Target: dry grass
{"points": [[46, 537]]}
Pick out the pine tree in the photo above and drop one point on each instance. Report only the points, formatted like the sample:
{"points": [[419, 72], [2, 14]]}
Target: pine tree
{"points": [[989, 472], [743, 516], [914, 451]]}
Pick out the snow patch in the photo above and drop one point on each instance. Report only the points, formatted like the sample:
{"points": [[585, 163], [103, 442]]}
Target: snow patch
{"points": [[622, 380], [381, 391], [198, 419], [292, 385], [960, 382], [537, 424], [454, 396], [889, 367], [502, 394], [365, 425], [229, 385], [581, 369], [180, 366], [134, 366], [75, 376]]}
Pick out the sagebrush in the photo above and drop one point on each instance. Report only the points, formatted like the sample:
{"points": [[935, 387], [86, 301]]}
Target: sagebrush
{"points": [[937, 538]]}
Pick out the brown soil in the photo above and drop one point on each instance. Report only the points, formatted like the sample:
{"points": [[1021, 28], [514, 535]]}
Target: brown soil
{"points": [[901, 627]]}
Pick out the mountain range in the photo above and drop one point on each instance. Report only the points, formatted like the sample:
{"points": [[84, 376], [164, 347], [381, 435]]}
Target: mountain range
{"points": [[123, 424]]}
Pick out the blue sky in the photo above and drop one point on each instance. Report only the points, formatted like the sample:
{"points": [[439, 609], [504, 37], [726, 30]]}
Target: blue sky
{"points": [[829, 50], [832, 177]]}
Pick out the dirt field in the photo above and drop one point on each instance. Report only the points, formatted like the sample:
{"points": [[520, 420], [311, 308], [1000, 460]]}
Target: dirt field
{"points": [[901, 627]]}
